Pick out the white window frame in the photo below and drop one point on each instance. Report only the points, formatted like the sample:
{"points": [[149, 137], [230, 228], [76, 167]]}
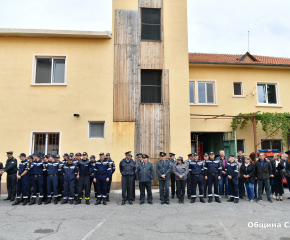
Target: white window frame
{"points": [[242, 90], [89, 129], [53, 56], [269, 104], [196, 81], [278, 139], [46, 142]]}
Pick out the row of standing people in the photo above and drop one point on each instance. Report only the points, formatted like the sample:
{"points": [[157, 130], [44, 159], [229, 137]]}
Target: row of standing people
{"points": [[69, 179]]}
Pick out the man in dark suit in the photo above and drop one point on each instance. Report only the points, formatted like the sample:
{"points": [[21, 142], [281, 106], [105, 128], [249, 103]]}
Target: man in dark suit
{"points": [[11, 170], [163, 169], [223, 182], [145, 175], [263, 172]]}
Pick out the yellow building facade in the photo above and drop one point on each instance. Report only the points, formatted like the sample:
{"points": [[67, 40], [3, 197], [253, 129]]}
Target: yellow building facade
{"points": [[235, 86], [73, 109]]}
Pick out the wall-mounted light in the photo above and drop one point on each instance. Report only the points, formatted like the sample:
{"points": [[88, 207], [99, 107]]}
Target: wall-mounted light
{"points": [[76, 115]]}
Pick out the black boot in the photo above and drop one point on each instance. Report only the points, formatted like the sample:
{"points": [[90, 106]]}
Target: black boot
{"points": [[202, 200], [48, 201], [78, 201], [96, 195], [64, 202], [230, 200], [17, 201], [32, 201], [104, 201], [40, 201], [71, 201], [108, 198], [59, 198], [55, 201], [98, 202], [21, 199], [6, 199], [236, 201], [192, 200], [28, 199], [24, 202], [88, 202]]}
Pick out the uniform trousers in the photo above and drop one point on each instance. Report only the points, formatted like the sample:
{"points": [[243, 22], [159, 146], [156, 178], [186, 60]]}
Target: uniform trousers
{"points": [[94, 184], [68, 189], [196, 179], [60, 185], [172, 181], [109, 185], [45, 185], [84, 183], [37, 185], [127, 187], [30, 185], [52, 184], [11, 185], [22, 186], [205, 183], [213, 179], [142, 186], [180, 185], [188, 183], [234, 188], [164, 189], [102, 186]]}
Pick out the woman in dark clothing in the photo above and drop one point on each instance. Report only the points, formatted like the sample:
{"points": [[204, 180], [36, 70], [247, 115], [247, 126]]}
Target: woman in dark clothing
{"points": [[287, 171], [248, 175], [278, 166], [180, 170]]}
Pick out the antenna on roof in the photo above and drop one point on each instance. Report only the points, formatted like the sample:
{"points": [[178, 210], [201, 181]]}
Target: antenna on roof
{"points": [[248, 41]]}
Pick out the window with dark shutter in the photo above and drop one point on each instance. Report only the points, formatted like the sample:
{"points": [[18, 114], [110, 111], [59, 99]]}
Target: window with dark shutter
{"points": [[151, 86], [151, 24]]}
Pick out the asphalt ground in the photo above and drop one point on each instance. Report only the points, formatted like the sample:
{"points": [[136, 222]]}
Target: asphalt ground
{"points": [[197, 220]]}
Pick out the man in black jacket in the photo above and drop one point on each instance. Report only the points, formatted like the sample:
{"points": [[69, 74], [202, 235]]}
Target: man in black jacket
{"points": [[1, 172], [11, 170], [263, 172]]}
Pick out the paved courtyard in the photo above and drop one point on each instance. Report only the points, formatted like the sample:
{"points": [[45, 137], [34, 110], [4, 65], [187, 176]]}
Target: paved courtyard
{"points": [[174, 221]]}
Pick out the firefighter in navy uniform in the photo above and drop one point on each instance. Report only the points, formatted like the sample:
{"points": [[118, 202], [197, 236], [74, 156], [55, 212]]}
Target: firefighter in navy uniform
{"points": [[196, 170], [85, 170], [93, 162], [11, 170], [188, 180], [30, 177], [113, 168], [173, 161], [102, 174], [60, 175], [232, 171], [45, 162], [69, 175], [75, 161], [52, 179], [37, 166], [205, 181], [22, 183], [213, 171]]}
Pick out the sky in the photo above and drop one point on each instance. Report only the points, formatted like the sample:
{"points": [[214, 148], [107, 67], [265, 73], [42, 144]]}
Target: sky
{"points": [[214, 26]]}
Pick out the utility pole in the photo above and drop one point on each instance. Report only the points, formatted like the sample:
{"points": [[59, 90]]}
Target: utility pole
{"points": [[255, 135]]}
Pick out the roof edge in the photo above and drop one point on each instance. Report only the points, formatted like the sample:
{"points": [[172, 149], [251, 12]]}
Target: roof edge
{"points": [[15, 32], [244, 63]]}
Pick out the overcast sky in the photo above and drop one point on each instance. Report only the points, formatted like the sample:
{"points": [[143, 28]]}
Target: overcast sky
{"points": [[214, 26]]}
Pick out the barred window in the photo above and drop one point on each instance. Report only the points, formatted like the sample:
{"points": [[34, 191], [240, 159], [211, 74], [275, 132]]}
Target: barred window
{"points": [[45, 143], [151, 86], [151, 24]]}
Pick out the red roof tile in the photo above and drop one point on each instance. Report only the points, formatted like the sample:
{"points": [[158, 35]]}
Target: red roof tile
{"points": [[233, 59]]}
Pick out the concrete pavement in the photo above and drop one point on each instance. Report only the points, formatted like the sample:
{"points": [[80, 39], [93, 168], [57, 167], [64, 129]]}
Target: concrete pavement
{"points": [[174, 221]]}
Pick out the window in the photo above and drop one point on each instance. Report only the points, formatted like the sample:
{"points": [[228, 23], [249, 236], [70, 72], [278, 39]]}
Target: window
{"points": [[241, 145], [267, 94], [45, 143], [238, 89], [271, 144], [151, 86], [151, 24], [50, 70], [96, 129], [206, 92], [191, 92]]}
